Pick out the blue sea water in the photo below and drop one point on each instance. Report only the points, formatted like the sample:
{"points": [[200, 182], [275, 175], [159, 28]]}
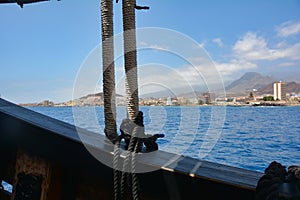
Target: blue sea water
{"points": [[245, 137]]}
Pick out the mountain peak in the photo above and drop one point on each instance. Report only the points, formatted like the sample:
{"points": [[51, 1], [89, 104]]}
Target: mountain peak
{"points": [[251, 75], [248, 82]]}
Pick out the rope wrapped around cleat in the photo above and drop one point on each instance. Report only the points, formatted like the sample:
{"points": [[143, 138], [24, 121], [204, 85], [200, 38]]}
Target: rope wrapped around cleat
{"points": [[279, 184], [133, 140], [133, 132]]}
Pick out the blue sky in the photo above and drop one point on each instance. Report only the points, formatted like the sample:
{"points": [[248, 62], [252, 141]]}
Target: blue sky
{"points": [[44, 44]]}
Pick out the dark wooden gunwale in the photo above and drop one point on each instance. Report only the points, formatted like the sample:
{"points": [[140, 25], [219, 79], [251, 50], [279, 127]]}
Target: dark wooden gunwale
{"points": [[59, 142]]}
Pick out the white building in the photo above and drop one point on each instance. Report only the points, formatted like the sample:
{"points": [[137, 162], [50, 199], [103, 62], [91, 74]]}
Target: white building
{"points": [[279, 90], [169, 101]]}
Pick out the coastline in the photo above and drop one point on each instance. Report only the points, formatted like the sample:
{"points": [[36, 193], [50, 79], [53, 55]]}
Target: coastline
{"points": [[187, 105]]}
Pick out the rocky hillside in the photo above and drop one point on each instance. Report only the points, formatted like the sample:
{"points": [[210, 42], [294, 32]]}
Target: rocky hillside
{"points": [[248, 82], [100, 94]]}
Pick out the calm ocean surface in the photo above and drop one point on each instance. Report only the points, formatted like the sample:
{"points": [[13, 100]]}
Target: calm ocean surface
{"points": [[246, 137]]}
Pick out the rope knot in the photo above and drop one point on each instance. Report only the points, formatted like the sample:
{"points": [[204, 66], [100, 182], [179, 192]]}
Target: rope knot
{"points": [[295, 170], [135, 129], [277, 183], [132, 129]]}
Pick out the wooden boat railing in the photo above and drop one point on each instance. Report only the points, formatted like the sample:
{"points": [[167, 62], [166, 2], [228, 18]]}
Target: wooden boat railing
{"points": [[37, 144]]}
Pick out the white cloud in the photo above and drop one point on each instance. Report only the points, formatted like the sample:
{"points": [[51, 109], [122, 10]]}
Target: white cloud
{"points": [[180, 79], [288, 28], [292, 52], [253, 47], [143, 44], [249, 42], [218, 41], [156, 77], [233, 66], [286, 64]]}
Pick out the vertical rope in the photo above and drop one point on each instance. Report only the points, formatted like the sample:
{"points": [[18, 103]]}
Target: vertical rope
{"points": [[131, 83], [117, 173], [109, 87], [135, 181], [127, 163], [108, 69], [139, 133]]}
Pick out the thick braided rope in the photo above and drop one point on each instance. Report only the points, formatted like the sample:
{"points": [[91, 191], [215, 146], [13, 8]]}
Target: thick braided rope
{"points": [[127, 163], [130, 58], [117, 173], [131, 83], [109, 85], [108, 69], [135, 145], [138, 132], [135, 181]]}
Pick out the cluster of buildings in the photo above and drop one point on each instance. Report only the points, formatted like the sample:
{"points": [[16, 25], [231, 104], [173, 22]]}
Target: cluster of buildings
{"points": [[95, 100], [204, 99], [279, 97]]}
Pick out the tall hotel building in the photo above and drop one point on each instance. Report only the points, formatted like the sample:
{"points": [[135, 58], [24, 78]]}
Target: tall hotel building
{"points": [[279, 90]]}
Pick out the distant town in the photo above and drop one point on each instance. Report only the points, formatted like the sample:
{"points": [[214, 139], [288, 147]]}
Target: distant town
{"points": [[251, 89], [279, 97]]}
